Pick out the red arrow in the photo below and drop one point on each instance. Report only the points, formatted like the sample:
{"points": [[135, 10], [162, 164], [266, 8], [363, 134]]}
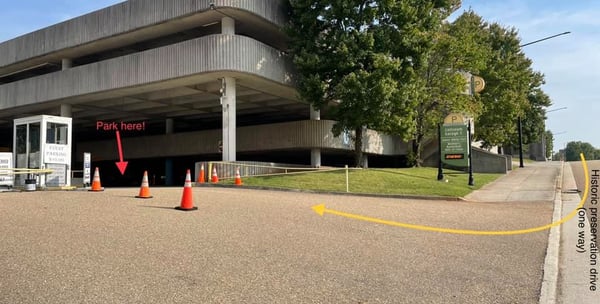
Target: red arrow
{"points": [[122, 165]]}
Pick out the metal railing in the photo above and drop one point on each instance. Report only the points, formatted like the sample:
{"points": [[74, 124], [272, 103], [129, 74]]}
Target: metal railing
{"points": [[17, 171], [7, 175], [227, 170]]}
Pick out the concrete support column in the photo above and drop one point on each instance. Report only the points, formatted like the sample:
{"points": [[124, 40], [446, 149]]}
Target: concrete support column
{"points": [[365, 161], [315, 153], [227, 26], [169, 126], [169, 172], [228, 101], [66, 110], [169, 161], [315, 114], [315, 158], [66, 63]]}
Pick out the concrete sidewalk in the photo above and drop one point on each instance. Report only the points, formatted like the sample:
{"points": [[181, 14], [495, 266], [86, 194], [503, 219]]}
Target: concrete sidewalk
{"points": [[565, 273], [534, 182]]}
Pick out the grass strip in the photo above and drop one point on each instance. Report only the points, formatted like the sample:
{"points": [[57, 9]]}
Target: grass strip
{"points": [[407, 181]]}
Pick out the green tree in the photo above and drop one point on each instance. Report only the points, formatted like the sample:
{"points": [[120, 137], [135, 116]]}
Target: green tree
{"points": [[457, 48], [574, 148], [359, 56], [366, 98], [507, 75], [534, 119], [513, 90]]}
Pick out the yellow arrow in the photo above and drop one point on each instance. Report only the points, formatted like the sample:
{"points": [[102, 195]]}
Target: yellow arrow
{"points": [[321, 210]]}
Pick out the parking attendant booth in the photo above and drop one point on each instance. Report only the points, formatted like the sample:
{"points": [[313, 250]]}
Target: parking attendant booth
{"points": [[43, 142]]}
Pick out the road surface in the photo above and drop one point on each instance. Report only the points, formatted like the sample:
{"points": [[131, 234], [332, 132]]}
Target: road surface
{"points": [[249, 246]]}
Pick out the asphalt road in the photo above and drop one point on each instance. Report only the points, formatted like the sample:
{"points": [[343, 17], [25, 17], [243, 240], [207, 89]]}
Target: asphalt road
{"points": [[249, 246]]}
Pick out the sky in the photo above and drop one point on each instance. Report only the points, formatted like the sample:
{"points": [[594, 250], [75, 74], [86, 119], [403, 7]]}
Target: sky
{"points": [[570, 63]]}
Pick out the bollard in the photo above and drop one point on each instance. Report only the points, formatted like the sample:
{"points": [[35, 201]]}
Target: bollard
{"points": [[347, 183]]}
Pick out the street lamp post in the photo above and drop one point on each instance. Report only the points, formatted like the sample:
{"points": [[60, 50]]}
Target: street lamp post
{"points": [[546, 38], [519, 118], [520, 142]]}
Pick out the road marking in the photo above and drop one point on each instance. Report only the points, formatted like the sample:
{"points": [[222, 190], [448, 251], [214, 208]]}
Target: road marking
{"points": [[321, 210]]}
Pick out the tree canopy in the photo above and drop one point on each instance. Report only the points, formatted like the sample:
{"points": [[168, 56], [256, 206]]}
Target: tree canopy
{"points": [[574, 148], [456, 49], [360, 56], [397, 66]]}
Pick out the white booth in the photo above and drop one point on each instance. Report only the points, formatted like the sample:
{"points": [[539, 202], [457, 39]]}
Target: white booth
{"points": [[43, 142]]}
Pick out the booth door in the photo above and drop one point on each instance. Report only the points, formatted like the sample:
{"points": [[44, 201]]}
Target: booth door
{"points": [[27, 148], [56, 153]]}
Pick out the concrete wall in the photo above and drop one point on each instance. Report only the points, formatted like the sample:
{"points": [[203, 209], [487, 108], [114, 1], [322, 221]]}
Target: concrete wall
{"points": [[488, 162], [537, 151], [283, 136], [483, 160], [126, 21], [214, 53]]}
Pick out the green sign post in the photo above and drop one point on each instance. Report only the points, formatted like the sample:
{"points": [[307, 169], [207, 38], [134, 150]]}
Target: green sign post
{"points": [[454, 141]]}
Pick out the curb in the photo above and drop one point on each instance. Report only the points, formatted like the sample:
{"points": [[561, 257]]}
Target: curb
{"points": [[399, 196], [550, 278]]}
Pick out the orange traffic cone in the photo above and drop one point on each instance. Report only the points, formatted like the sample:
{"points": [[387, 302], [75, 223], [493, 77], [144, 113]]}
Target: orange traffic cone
{"points": [[145, 188], [96, 186], [238, 179], [215, 178], [201, 175], [187, 202]]}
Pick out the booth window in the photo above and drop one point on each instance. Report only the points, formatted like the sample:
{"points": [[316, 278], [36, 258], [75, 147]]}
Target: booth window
{"points": [[21, 139], [34, 145], [56, 133]]}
